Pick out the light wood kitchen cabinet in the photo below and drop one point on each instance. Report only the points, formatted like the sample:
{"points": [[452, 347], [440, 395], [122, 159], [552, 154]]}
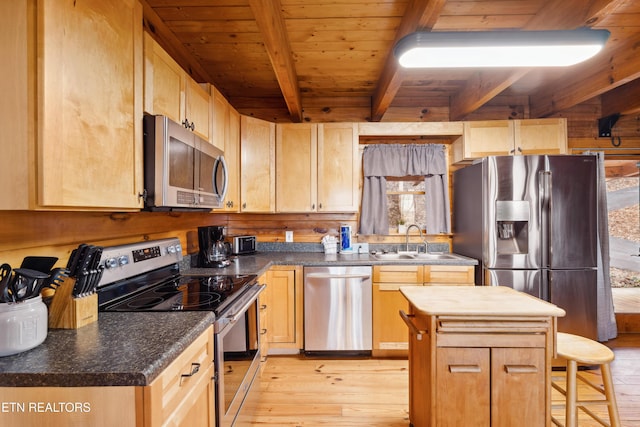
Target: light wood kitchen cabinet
{"points": [[226, 135], [448, 275], [317, 167], [338, 167], [296, 167], [74, 142], [390, 337], [283, 298], [182, 395], [263, 315], [510, 137], [490, 343], [257, 165], [232, 157], [170, 91]]}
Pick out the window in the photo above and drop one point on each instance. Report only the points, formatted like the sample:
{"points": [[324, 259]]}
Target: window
{"points": [[405, 201]]}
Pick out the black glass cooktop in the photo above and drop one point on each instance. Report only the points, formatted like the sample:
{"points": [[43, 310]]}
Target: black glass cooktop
{"points": [[185, 293]]}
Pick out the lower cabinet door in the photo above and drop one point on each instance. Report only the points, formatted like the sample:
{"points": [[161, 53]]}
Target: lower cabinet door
{"points": [[463, 384], [518, 387]]}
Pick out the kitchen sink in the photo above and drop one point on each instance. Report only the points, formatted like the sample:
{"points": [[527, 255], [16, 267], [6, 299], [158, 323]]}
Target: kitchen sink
{"points": [[434, 256], [414, 255], [392, 256]]}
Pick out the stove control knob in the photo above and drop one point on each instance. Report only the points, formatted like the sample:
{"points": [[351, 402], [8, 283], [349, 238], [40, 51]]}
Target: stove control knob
{"points": [[123, 260], [178, 248], [111, 263], [171, 249]]}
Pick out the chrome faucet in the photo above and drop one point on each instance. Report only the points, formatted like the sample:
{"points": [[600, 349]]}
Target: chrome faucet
{"points": [[407, 237]]}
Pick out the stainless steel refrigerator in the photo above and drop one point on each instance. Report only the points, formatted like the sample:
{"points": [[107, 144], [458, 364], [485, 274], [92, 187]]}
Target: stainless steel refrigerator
{"points": [[531, 221]]}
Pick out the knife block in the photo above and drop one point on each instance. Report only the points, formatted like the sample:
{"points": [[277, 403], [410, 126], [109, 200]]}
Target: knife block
{"points": [[67, 312]]}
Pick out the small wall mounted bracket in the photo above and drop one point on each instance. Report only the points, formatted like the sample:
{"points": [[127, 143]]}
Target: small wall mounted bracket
{"points": [[606, 124]]}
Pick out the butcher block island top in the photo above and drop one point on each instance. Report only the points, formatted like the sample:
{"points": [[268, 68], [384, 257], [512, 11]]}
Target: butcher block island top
{"points": [[479, 356], [477, 301]]}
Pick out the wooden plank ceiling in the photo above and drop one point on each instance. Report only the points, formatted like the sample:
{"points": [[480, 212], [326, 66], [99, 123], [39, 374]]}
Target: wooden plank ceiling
{"points": [[300, 60]]}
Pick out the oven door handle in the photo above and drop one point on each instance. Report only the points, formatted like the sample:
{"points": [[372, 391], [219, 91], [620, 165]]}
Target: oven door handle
{"points": [[235, 317]]}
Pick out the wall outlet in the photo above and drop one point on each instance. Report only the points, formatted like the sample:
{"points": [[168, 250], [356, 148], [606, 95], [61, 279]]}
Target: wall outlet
{"points": [[288, 236]]}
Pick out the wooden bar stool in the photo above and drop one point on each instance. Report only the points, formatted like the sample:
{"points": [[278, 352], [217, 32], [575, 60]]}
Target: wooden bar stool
{"points": [[579, 350]]}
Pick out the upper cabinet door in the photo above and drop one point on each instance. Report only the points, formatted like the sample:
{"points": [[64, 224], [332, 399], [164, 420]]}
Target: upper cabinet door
{"points": [[257, 157], [171, 92], [296, 167], [198, 109], [338, 167], [164, 82], [232, 156], [89, 92], [541, 136], [78, 71]]}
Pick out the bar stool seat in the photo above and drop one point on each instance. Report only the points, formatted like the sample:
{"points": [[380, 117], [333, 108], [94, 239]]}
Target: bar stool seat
{"points": [[579, 350]]}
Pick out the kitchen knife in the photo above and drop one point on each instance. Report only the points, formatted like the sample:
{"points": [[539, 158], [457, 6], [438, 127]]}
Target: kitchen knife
{"points": [[91, 283], [80, 252], [81, 270]]}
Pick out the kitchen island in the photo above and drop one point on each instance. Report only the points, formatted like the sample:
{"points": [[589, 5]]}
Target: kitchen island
{"points": [[479, 354]]}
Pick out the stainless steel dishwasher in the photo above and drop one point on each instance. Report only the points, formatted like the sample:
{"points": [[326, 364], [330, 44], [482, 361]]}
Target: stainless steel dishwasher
{"points": [[337, 309]]}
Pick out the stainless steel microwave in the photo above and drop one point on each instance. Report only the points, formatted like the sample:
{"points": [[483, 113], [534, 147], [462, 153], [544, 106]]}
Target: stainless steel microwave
{"points": [[181, 170]]}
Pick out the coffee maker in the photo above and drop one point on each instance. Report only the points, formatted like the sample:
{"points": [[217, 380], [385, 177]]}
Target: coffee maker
{"points": [[213, 249]]}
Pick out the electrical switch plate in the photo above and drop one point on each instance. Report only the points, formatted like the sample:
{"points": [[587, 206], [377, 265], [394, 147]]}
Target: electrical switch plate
{"points": [[288, 236]]}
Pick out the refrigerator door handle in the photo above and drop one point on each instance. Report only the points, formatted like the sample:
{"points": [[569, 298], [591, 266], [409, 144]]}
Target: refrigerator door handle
{"points": [[545, 286], [544, 184]]}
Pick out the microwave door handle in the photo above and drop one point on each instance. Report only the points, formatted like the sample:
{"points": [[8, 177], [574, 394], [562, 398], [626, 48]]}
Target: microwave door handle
{"points": [[220, 162]]}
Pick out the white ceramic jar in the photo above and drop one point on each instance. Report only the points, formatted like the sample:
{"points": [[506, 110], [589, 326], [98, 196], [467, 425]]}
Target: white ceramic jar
{"points": [[23, 325]]}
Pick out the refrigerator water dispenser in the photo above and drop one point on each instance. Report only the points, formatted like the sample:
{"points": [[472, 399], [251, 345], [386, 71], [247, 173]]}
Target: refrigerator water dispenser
{"points": [[512, 226]]}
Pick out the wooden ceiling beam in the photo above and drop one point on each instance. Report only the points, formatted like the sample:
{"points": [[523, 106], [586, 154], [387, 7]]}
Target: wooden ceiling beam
{"points": [[268, 14], [555, 14], [624, 100], [420, 15], [600, 75]]}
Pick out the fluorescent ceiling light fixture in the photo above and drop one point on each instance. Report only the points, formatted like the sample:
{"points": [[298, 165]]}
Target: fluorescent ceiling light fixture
{"points": [[499, 48]]}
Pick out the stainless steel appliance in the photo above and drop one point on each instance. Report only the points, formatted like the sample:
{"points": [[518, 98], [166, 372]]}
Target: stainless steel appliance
{"points": [[241, 245], [214, 251], [145, 277], [181, 170], [531, 221], [337, 309]]}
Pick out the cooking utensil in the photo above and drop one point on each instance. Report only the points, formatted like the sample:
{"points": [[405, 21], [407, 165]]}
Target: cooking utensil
{"points": [[57, 276], [5, 278], [26, 283], [43, 264]]}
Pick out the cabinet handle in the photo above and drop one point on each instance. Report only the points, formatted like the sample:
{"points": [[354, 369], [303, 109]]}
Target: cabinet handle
{"points": [[195, 367], [407, 319], [313, 206], [263, 307], [263, 332], [520, 369], [319, 205], [466, 369], [244, 206]]}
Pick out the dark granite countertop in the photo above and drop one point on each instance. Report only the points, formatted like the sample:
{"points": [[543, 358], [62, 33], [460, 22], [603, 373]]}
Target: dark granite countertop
{"points": [[120, 349], [261, 261]]}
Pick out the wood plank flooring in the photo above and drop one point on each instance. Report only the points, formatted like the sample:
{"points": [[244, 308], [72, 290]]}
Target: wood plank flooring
{"points": [[297, 391]]}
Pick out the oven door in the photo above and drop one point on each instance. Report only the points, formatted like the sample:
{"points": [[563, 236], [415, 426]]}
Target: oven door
{"points": [[237, 358]]}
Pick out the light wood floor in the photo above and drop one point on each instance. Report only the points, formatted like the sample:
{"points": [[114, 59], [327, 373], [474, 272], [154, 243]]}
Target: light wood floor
{"points": [[298, 391]]}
